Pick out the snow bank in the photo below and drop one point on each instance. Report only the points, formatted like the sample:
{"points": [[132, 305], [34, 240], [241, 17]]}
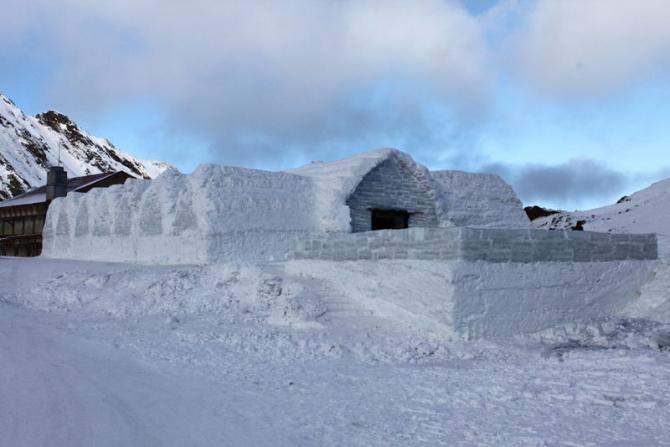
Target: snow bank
{"points": [[480, 200], [409, 300]]}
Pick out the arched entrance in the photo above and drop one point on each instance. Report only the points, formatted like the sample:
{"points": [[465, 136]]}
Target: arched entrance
{"points": [[390, 196]]}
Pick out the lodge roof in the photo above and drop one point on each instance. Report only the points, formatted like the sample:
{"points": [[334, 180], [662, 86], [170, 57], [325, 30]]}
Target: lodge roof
{"points": [[74, 184]]}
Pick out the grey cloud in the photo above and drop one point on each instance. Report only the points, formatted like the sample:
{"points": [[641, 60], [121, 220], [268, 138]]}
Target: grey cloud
{"points": [[574, 183]]}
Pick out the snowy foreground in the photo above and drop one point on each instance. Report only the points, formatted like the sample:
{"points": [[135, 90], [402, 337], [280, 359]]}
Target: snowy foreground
{"points": [[114, 354]]}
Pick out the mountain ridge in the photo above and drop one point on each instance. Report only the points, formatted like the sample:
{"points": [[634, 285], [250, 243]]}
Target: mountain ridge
{"points": [[29, 145]]}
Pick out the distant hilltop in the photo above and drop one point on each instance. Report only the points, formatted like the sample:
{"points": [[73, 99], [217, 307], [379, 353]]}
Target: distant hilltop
{"points": [[645, 211], [30, 144]]}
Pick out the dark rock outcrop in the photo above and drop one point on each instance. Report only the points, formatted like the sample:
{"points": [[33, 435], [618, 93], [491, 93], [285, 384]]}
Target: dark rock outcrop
{"points": [[535, 212]]}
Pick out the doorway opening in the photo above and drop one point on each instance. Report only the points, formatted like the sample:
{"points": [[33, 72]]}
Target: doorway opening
{"points": [[389, 219]]}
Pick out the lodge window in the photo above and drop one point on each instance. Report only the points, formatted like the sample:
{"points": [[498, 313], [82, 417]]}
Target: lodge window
{"points": [[28, 225], [20, 226], [384, 219]]}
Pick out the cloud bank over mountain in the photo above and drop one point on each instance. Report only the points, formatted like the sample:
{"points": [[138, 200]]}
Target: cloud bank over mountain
{"points": [[274, 83]]}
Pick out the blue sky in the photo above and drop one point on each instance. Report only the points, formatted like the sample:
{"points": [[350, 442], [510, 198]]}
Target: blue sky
{"points": [[568, 100]]}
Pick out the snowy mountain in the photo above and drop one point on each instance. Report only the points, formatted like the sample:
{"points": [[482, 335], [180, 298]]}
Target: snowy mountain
{"points": [[646, 211], [30, 144]]}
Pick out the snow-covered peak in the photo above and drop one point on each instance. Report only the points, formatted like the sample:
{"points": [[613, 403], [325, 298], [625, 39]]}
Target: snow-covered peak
{"points": [[154, 168], [29, 145]]}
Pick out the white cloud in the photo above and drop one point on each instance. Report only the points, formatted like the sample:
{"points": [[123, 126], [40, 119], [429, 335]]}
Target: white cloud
{"points": [[266, 80], [591, 47], [276, 74]]}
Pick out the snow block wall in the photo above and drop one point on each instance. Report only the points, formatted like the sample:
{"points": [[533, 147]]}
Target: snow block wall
{"points": [[215, 214], [391, 185], [506, 299], [480, 200], [472, 244], [478, 299], [219, 213]]}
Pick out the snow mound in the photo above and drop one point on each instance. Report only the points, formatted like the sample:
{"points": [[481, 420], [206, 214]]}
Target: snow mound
{"points": [[280, 310], [346, 302]]}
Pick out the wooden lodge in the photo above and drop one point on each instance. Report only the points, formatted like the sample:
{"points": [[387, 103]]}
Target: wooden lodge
{"points": [[22, 217]]}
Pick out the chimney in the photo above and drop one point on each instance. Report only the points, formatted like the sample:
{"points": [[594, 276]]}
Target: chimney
{"points": [[56, 183]]}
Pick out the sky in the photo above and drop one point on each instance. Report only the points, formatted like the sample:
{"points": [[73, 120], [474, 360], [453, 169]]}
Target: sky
{"points": [[568, 100]]}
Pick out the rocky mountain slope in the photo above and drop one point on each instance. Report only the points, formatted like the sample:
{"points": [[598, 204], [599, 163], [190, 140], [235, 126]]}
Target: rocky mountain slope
{"points": [[646, 211], [30, 144]]}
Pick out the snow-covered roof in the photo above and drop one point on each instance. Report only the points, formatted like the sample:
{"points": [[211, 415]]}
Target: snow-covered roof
{"points": [[336, 180], [462, 198], [480, 200], [25, 199]]}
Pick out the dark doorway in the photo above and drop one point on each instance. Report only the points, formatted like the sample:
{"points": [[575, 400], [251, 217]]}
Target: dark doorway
{"points": [[389, 219]]}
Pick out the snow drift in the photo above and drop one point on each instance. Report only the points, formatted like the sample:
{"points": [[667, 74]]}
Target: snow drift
{"points": [[353, 301]]}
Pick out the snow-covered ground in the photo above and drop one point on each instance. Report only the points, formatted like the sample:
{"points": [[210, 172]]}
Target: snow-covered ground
{"points": [[102, 354]]}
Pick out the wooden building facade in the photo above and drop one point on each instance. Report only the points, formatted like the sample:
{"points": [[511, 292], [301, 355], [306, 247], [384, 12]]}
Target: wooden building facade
{"points": [[22, 217]]}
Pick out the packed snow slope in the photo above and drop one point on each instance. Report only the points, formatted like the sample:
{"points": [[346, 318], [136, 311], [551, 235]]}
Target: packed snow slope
{"points": [[30, 144], [646, 211], [304, 354]]}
